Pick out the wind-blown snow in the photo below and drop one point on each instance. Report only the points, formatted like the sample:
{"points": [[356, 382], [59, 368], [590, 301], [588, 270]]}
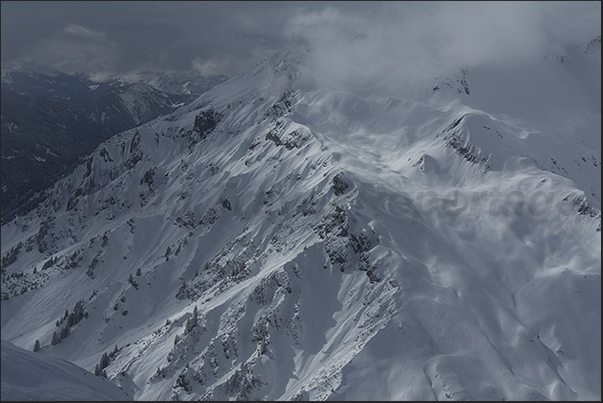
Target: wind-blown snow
{"points": [[334, 243]]}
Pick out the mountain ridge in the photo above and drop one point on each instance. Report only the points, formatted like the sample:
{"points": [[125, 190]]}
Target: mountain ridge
{"points": [[309, 244], [52, 120]]}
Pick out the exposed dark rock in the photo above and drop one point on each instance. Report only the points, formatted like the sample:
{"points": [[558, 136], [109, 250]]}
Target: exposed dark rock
{"points": [[206, 122], [340, 185]]}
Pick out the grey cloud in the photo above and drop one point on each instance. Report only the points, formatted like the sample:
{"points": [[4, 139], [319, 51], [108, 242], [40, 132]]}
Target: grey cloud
{"points": [[230, 37], [407, 43], [78, 30], [146, 35]]}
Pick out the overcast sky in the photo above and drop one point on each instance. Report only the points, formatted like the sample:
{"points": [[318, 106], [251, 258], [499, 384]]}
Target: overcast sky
{"points": [[229, 37]]}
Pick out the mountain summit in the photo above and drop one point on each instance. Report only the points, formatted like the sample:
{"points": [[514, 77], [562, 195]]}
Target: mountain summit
{"points": [[279, 239]]}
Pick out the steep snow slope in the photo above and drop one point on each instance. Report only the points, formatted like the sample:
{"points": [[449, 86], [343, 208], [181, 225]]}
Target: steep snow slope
{"points": [[30, 376], [277, 240]]}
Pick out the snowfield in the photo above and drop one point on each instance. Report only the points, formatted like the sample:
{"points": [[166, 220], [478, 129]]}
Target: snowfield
{"points": [[30, 376], [282, 240]]}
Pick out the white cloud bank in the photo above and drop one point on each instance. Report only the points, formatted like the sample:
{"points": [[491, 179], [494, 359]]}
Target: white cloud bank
{"points": [[411, 41]]}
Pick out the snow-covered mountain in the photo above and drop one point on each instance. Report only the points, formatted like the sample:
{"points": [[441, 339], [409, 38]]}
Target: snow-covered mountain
{"points": [[276, 239], [51, 120]]}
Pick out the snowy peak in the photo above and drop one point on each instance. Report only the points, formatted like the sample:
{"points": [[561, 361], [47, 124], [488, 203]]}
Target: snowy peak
{"points": [[278, 240]]}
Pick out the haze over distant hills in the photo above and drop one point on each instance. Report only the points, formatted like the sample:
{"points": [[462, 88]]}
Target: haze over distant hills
{"points": [[51, 120]]}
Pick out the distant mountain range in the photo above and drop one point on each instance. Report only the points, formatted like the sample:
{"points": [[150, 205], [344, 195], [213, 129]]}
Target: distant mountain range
{"points": [[51, 120]]}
